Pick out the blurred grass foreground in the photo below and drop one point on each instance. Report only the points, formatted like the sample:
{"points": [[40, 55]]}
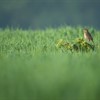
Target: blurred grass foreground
{"points": [[32, 68]]}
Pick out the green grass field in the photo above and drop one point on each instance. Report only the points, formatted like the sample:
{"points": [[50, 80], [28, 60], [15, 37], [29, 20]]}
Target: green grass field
{"points": [[33, 68]]}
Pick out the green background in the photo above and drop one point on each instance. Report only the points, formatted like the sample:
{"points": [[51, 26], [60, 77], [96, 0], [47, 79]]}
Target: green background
{"points": [[49, 13]]}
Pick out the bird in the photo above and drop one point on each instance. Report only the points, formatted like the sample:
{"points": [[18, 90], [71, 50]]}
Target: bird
{"points": [[87, 35]]}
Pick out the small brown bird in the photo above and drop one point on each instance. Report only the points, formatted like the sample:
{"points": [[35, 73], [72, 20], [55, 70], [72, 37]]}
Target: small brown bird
{"points": [[87, 35]]}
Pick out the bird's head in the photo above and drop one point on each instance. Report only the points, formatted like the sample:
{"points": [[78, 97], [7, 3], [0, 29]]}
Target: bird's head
{"points": [[85, 30]]}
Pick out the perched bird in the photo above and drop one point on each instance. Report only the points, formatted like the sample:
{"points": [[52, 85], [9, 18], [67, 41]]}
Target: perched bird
{"points": [[87, 35]]}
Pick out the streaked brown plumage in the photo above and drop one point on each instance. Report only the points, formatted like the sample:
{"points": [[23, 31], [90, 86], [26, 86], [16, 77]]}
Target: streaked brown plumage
{"points": [[87, 35]]}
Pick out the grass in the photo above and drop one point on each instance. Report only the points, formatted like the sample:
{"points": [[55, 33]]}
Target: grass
{"points": [[32, 68]]}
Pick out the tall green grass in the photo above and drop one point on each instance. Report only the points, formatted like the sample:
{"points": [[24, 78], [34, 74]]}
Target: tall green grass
{"points": [[32, 68]]}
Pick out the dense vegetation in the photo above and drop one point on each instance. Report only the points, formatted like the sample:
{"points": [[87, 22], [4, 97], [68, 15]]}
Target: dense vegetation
{"points": [[32, 67]]}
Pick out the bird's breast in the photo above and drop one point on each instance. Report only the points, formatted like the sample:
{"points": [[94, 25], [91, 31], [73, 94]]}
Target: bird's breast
{"points": [[85, 35]]}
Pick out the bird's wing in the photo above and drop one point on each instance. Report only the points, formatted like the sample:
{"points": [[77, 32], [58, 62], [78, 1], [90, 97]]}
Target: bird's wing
{"points": [[90, 36]]}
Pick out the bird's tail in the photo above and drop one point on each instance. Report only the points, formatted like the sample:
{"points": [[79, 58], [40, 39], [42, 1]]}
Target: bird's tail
{"points": [[92, 40]]}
